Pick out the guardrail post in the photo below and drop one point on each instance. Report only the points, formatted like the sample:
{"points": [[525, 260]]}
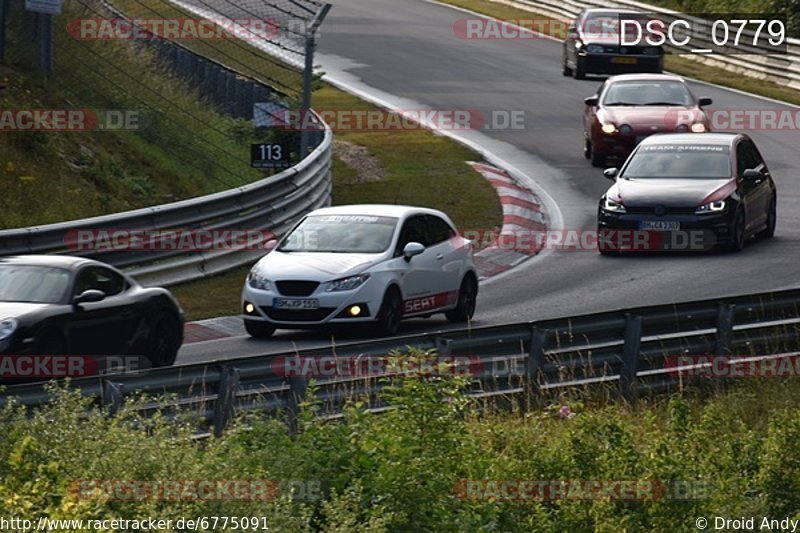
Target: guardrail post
{"points": [[298, 386], [535, 360], [111, 395], [226, 394], [443, 346], [630, 355], [725, 318], [238, 91], [222, 90], [4, 8]]}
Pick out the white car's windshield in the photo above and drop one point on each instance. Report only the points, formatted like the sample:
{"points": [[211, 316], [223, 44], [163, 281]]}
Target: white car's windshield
{"points": [[341, 234]]}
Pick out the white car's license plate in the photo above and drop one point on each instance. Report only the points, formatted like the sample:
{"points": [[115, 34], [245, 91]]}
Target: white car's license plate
{"points": [[661, 225], [295, 303]]}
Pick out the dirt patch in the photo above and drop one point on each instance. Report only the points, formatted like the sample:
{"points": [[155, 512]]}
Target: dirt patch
{"points": [[355, 156]]}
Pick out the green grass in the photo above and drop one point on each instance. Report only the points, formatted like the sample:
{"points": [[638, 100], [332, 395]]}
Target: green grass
{"points": [[216, 296], [425, 464]]}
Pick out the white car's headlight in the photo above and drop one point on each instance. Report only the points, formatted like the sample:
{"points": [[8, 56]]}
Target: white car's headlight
{"points": [[711, 207], [257, 281], [347, 284], [7, 327], [611, 205], [699, 127]]}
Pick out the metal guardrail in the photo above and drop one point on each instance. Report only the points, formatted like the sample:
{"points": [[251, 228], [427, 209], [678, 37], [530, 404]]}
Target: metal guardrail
{"points": [[272, 204], [625, 350], [781, 69]]}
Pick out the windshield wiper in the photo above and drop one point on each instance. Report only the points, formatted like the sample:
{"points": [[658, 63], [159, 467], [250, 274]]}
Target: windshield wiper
{"points": [[621, 103], [663, 103]]}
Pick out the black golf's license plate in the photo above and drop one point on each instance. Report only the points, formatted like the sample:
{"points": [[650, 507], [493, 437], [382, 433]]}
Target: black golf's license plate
{"points": [[660, 225]]}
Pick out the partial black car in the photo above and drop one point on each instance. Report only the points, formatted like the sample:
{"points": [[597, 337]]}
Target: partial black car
{"points": [[689, 191], [63, 305], [593, 46]]}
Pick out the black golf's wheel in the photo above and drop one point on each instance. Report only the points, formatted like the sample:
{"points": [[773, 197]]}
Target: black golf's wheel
{"points": [[604, 245], [737, 233], [165, 340], [772, 219], [467, 299]]}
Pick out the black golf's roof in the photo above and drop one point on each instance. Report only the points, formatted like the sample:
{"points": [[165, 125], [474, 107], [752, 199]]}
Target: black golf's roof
{"points": [[715, 139]]}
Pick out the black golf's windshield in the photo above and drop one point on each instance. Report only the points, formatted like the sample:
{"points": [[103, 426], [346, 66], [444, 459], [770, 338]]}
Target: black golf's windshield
{"points": [[33, 283], [679, 161], [366, 234]]}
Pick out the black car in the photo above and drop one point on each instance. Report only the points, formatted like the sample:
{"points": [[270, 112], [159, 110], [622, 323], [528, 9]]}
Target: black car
{"points": [[62, 305], [688, 191], [593, 46]]}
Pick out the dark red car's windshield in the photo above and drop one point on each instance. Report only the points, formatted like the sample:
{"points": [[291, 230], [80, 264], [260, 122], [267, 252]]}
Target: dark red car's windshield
{"points": [[647, 93]]}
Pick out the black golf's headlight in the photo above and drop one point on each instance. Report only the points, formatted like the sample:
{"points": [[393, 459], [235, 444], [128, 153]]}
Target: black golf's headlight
{"points": [[711, 208], [613, 205]]}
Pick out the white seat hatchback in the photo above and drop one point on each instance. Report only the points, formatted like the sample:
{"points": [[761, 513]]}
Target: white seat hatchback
{"points": [[362, 263]]}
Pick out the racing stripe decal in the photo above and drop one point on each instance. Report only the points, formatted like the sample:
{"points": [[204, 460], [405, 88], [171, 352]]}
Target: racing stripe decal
{"points": [[426, 304]]}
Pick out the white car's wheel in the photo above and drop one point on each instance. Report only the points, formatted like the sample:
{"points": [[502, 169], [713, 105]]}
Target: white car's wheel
{"points": [[467, 298], [259, 330], [390, 313]]}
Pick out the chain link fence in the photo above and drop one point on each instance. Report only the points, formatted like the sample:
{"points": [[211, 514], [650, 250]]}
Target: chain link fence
{"points": [[122, 59]]}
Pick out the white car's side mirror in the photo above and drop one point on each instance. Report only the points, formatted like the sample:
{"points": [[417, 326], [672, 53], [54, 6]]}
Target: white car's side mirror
{"points": [[411, 249]]}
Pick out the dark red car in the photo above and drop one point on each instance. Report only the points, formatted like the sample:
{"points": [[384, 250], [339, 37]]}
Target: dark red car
{"points": [[629, 107]]}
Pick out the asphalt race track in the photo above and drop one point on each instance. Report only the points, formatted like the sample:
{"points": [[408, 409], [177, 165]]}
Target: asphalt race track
{"points": [[405, 53]]}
